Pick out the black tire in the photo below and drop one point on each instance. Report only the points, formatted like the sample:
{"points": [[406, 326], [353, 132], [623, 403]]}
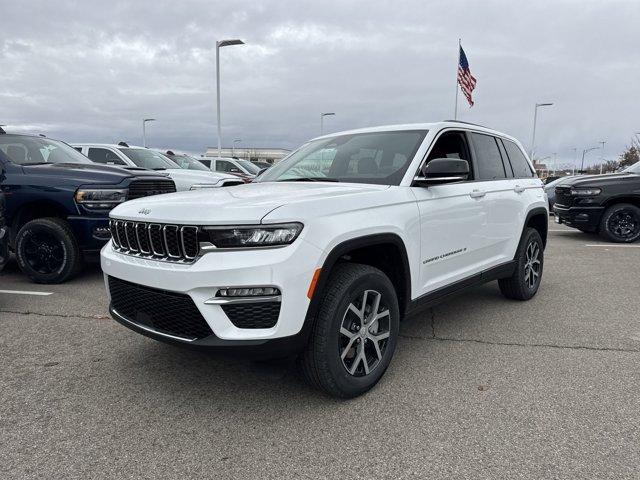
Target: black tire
{"points": [[322, 363], [56, 259], [524, 284], [621, 223]]}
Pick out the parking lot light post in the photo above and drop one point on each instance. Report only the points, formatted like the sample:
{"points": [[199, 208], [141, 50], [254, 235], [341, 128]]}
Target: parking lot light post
{"points": [[322, 115], [585, 151], [603, 160], [535, 121], [233, 148], [144, 130], [220, 44]]}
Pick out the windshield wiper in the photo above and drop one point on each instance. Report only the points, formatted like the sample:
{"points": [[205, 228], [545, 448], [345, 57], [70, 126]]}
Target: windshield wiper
{"points": [[310, 179], [159, 168], [36, 163]]}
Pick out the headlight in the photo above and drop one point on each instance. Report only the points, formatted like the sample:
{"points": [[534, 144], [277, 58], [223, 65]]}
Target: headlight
{"points": [[100, 198], [252, 236], [585, 192], [200, 186]]}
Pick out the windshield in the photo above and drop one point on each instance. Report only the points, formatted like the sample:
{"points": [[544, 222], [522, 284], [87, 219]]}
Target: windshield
{"points": [[380, 157], [249, 167], [188, 163], [148, 158], [26, 150], [635, 168]]}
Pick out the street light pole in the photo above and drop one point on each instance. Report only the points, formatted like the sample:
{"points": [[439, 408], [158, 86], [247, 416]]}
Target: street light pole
{"points": [[586, 150], [535, 121], [233, 149], [220, 44], [322, 115], [144, 130]]}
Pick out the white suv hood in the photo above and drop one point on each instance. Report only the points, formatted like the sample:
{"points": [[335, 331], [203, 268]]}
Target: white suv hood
{"points": [[242, 204], [185, 179]]}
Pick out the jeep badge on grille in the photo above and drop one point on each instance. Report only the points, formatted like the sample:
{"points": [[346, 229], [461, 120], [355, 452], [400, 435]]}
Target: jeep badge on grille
{"points": [[144, 211]]}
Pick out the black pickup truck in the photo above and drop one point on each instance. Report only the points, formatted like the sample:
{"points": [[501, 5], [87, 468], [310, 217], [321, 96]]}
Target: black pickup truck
{"points": [[57, 203], [606, 204]]}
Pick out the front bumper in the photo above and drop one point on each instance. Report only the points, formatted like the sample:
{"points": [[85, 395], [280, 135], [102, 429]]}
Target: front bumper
{"points": [[584, 218], [90, 232], [290, 269]]}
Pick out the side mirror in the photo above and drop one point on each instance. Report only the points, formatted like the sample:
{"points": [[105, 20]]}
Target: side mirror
{"points": [[443, 170]]}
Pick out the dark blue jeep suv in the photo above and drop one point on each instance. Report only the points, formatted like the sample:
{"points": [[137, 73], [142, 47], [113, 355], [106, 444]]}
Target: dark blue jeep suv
{"points": [[57, 203]]}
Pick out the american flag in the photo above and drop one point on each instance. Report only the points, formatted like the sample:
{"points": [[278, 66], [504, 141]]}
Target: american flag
{"points": [[466, 81]]}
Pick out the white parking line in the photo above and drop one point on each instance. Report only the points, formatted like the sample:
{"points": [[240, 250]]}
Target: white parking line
{"points": [[607, 245], [25, 292]]}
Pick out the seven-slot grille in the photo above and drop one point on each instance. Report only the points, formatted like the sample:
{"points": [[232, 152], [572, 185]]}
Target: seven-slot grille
{"points": [[178, 243], [146, 188]]}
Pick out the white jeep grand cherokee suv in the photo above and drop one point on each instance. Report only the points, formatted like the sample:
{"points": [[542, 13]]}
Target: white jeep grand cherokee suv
{"points": [[332, 247]]}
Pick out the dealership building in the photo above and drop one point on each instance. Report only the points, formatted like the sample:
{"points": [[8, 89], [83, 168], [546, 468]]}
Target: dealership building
{"points": [[271, 155]]}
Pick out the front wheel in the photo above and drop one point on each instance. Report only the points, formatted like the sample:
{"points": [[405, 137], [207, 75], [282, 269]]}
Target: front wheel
{"points": [[355, 332], [621, 223], [524, 282], [47, 251]]}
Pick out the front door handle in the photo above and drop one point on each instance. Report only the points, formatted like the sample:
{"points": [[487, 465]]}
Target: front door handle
{"points": [[477, 194], [519, 189]]}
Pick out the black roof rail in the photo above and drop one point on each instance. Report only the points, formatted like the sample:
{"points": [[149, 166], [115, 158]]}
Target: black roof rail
{"points": [[170, 152], [123, 144], [466, 123], [2, 131], [42, 135]]}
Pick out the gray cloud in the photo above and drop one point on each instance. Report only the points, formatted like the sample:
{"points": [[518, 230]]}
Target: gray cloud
{"points": [[90, 71]]}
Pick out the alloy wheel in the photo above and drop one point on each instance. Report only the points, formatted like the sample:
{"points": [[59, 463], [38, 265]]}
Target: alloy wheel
{"points": [[364, 333], [624, 224], [533, 265], [44, 252]]}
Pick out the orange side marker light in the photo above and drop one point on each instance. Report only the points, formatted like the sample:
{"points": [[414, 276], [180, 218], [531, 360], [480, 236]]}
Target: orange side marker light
{"points": [[314, 281]]}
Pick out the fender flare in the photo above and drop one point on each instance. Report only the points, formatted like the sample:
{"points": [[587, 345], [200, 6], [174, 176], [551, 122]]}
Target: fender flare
{"points": [[342, 249], [534, 212]]}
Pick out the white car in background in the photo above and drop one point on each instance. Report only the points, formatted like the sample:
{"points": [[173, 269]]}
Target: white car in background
{"points": [[236, 166], [132, 156]]}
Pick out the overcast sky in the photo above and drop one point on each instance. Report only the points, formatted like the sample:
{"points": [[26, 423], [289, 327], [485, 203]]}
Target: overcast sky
{"points": [[90, 71]]}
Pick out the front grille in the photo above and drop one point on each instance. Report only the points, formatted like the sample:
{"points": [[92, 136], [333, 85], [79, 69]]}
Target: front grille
{"points": [[563, 196], [177, 243], [146, 188], [160, 310], [253, 315]]}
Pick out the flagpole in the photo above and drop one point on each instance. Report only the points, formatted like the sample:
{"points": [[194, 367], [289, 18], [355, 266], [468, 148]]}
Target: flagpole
{"points": [[455, 113]]}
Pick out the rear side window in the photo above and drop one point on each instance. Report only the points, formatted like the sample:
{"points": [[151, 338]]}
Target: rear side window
{"points": [[104, 156], [519, 163], [488, 159]]}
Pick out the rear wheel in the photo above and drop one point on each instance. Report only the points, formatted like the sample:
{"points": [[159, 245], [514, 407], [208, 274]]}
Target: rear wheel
{"points": [[621, 223], [355, 332], [47, 251], [524, 282]]}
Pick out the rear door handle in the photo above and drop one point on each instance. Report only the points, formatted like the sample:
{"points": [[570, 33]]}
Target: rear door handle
{"points": [[519, 189], [477, 194]]}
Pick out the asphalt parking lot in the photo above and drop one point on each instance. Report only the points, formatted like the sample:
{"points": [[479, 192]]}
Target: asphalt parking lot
{"points": [[480, 387]]}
